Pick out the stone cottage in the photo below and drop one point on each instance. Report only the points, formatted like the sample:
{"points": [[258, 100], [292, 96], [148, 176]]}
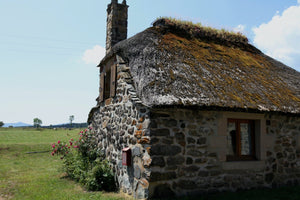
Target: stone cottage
{"points": [[184, 109]]}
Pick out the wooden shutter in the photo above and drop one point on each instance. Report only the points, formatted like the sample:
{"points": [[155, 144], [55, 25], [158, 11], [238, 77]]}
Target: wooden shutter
{"points": [[113, 80], [101, 89]]}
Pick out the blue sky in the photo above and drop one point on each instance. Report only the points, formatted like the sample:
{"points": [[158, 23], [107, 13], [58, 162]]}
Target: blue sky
{"points": [[49, 49]]}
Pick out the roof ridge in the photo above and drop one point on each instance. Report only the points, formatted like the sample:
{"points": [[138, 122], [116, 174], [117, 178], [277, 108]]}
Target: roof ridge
{"points": [[191, 30]]}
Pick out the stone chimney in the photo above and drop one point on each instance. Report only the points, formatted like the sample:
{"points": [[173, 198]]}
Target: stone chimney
{"points": [[116, 27]]}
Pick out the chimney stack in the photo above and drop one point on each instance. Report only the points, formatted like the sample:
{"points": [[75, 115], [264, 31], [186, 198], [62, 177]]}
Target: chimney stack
{"points": [[116, 27]]}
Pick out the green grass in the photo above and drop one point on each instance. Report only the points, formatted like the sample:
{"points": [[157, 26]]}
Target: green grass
{"points": [[25, 175]]}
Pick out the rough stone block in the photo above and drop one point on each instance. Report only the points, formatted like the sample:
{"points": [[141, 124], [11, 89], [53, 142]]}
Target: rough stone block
{"points": [[167, 141], [201, 141], [160, 132], [147, 160], [195, 153], [160, 176], [175, 160], [158, 161], [191, 140], [137, 171], [203, 173], [138, 134], [144, 140], [155, 115], [166, 150], [170, 122], [131, 130], [189, 161], [136, 151]]}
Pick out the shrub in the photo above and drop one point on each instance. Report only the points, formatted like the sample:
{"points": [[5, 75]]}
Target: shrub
{"points": [[84, 162]]}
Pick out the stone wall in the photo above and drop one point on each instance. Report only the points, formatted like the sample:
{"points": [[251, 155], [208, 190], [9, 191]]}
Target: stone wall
{"points": [[122, 122], [283, 160], [184, 161], [116, 27]]}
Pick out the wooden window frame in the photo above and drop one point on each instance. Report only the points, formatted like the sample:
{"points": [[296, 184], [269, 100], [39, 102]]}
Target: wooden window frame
{"points": [[238, 156], [112, 72]]}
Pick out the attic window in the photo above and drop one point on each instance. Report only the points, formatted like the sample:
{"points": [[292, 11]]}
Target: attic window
{"points": [[107, 83], [241, 139]]}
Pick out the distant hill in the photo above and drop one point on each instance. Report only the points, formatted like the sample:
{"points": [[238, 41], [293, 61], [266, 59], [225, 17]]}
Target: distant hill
{"points": [[18, 124], [21, 124]]}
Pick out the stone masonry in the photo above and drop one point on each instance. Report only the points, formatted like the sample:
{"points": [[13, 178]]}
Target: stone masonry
{"points": [[122, 122], [183, 163], [116, 28]]}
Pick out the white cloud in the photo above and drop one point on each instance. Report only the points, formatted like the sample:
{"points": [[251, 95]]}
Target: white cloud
{"points": [[280, 37], [94, 55], [240, 28]]}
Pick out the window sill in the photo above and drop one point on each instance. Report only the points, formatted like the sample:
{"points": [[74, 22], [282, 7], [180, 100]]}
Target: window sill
{"points": [[244, 165]]}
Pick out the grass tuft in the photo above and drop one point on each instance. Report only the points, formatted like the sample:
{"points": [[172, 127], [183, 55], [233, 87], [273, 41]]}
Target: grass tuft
{"points": [[199, 31]]}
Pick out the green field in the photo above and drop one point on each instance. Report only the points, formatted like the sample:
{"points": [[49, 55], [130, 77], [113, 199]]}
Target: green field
{"points": [[28, 175]]}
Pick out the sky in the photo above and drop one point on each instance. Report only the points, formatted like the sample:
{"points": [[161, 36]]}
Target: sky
{"points": [[49, 50]]}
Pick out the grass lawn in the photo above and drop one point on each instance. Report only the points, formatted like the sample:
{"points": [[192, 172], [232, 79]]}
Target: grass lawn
{"points": [[31, 176]]}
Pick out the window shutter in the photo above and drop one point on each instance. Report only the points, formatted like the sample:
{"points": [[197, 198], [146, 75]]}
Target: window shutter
{"points": [[113, 81], [101, 89]]}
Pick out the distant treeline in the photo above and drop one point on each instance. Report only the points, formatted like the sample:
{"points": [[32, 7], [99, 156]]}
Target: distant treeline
{"points": [[74, 125]]}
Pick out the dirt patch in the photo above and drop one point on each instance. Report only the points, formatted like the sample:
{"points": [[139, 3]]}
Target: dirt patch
{"points": [[6, 197], [2, 149]]}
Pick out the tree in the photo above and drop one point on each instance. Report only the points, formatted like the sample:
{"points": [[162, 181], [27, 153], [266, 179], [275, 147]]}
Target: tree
{"points": [[37, 122], [1, 123], [71, 118]]}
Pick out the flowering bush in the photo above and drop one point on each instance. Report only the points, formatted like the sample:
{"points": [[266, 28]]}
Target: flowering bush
{"points": [[60, 148], [84, 162]]}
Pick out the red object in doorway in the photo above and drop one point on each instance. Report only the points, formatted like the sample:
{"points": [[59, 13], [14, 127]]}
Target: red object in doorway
{"points": [[126, 156]]}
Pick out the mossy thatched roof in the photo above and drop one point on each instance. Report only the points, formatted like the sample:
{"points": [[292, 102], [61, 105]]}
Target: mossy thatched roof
{"points": [[175, 64]]}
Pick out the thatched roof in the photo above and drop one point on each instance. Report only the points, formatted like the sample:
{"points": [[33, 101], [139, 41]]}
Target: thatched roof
{"points": [[185, 65]]}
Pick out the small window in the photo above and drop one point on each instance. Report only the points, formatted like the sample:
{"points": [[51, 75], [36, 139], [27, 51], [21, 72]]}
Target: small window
{"points": [[241, 141], [107, 83]]}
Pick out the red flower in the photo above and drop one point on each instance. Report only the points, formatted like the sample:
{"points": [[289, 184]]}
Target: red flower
{"points": [[71, 143], [58, 141], [53, 145], [52, 153]]}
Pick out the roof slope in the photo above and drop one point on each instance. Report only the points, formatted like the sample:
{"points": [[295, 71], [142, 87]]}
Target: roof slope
{"points": [[171, 66]]}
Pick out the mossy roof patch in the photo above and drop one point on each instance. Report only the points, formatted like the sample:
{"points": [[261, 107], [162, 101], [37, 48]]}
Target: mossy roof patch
{"points": [[171, 67], [189, 30]]}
